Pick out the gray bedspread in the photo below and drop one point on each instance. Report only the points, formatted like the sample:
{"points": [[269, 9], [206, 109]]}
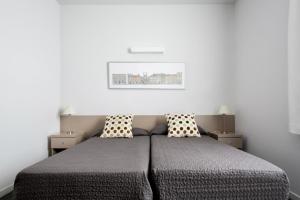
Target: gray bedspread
{"points": [[203, 168], [113, 168]]}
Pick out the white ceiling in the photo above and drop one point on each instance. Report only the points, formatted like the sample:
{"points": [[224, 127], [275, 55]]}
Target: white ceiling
{"points": [[145, 1]]}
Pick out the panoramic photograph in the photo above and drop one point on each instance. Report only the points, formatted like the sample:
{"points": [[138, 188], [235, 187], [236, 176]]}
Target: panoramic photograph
{"points": [[133, 75]]}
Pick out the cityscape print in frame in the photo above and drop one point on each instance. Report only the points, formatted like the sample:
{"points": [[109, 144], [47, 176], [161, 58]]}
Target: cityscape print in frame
{"points": [[134, 75]]}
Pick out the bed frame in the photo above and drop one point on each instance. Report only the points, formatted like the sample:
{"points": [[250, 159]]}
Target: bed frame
{"points": [[89, 125]]}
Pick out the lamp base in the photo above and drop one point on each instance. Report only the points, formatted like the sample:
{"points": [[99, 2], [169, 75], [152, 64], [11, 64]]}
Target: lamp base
{"points": [[70, 132]]}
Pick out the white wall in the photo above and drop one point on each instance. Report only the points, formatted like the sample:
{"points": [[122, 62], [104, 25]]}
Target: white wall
{"points": [[29, 82], [199, 35], [261, 84]]}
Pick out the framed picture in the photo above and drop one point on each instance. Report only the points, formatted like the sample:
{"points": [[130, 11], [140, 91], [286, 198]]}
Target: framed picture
{"points": [[134, 75]]}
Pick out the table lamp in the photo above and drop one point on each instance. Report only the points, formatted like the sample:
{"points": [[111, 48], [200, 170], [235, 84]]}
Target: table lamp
{"points": [[224, 110], [68, 111]]}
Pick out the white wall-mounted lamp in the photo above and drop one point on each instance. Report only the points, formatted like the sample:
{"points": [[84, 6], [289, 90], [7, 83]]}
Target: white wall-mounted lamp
{"points": [[147, 50]]}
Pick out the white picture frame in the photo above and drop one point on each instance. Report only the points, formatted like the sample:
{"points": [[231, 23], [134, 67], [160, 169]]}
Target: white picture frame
{"points": [[139, 75]]}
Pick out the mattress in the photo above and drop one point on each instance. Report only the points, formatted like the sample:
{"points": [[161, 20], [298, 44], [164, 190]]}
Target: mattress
{"points": [[203, 168], [111, 168]]}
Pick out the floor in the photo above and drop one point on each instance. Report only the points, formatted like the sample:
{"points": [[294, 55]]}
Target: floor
{"points": [[10, 196]]}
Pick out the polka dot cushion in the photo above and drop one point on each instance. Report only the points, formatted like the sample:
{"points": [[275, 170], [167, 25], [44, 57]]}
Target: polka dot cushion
{"points": [[182, 125], [117, 126]]}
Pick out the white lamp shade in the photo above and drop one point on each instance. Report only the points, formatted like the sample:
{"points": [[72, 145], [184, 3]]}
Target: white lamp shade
{"points": [[224, 110], [69, 110]]}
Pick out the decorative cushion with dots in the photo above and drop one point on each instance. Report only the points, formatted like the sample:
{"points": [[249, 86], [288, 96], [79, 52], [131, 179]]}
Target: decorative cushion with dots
{"points": [[117, 126], [182, 125]]}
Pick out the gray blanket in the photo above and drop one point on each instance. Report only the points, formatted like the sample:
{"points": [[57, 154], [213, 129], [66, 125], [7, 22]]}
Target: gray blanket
{"points": [[203, 168], [95, 169]]}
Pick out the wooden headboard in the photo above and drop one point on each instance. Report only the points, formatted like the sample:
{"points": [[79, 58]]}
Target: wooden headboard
{"points": [[91, 124]]}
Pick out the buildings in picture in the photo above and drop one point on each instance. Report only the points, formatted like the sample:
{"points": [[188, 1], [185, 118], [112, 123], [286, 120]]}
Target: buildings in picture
{"points": [[145, 79]]}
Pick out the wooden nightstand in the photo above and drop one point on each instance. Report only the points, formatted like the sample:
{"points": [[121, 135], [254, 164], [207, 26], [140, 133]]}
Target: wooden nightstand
{"points": [[232, 139], [64, 141]]}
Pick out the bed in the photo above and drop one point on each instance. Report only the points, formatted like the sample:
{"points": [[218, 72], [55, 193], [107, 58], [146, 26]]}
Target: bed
{"points": [[114, 168], [203, 168]]}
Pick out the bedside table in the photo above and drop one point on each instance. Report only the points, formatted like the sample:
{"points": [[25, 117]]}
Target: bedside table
{"points": [[231, 139], [64, 141]]}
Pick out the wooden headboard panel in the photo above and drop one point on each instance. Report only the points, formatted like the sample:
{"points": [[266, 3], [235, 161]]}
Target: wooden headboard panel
{"points": [[91, 124]]}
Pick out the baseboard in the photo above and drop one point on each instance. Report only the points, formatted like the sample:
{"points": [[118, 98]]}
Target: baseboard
{"points": [[294, 196], [6, 190]]}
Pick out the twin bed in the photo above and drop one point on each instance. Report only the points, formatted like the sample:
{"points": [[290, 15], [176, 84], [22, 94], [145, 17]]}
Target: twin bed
{"points": [[152, 167], [203, 168], [98, 168]]}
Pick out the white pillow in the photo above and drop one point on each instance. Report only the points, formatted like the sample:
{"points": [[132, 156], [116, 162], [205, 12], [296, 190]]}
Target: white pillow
{"points": [[117, 126], [182, 125]]}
